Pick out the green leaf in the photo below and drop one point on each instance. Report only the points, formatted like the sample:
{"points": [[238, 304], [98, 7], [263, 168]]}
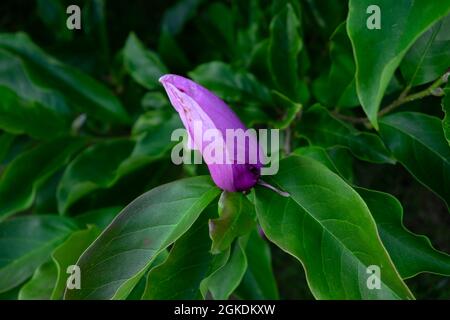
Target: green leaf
{"points": [[446, 110], [337, 88], [102, 165], [143, 65], [84, 92], [27, 105], [236, 218], [229, 84], [418, 143], [67, 254], [284, 48], [412, 254], [96, 167], [138, 234], [289, 108], [259, 281], [327, 226], [154, 100], [40, 286], [26, 243], [46, 158], [429, 57], [224, 281], [323, 129], [180, 275], [378, 52]]}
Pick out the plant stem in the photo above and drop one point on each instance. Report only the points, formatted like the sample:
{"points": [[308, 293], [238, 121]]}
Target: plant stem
{"points": [[433, 89]]}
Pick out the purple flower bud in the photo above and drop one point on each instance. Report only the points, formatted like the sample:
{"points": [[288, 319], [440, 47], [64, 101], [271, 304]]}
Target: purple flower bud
{"points": [[197, 105]]}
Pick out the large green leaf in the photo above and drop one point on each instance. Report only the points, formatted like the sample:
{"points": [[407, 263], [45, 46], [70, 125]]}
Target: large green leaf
{"points": [[143, 65], [67, 254], [259, 281], [411, 253], [116, 261], [418, 142], [327, 226], [26, 243], [236, 218], [180, 275], [378, 52], [40, 286], [229, 84], [429, 57], [85, 93], [284, 48], [20, 180], [323, 129]]}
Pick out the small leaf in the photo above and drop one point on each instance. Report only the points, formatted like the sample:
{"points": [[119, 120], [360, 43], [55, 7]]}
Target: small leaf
{"points": [[236, 218], [143, 65], [116, 261], [26, 243], [419, 144]]}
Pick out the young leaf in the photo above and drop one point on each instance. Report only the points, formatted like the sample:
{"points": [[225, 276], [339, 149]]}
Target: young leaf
{"points": [[419, 144], [143, 65], [412, 254], [46, 158], [378, 52], [327, 226], [180, 275], [236, 218], [26, 243], [138, 234], [259, 281]]}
